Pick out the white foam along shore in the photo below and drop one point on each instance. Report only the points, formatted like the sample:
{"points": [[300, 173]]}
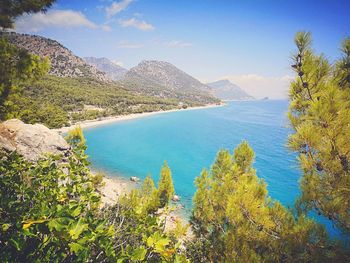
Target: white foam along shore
{"points": [[106, 120]]}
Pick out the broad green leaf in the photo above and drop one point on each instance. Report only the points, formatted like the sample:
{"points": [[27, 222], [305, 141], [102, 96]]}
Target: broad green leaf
{"points": [[75, 247], [139, 254], [5, 227], [29, 222], [77, 228]]}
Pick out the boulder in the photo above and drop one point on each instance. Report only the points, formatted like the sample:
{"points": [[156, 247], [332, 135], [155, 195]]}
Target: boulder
{"points": [[134, 179], [31, 141], [176, 198]]}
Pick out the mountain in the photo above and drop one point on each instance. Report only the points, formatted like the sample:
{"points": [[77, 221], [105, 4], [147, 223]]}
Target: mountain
{"points": [[226, 90], [112, 70], [63, 62], [164, 80]]}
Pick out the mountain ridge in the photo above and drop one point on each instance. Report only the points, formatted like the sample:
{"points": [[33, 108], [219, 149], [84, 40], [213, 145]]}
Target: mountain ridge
{"points": [[163, 79], [63, 62], [111, 69], [226, 90]]}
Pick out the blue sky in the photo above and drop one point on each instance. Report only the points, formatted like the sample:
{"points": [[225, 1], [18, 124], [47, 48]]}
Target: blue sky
{"points": [[249, 42]]}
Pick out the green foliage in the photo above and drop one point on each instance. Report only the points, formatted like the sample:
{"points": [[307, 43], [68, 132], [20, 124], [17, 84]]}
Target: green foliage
{"points": [[234, 220], [142, 235], [320, 116], [76, 138], [48, 211], [342, 66], [165, 185], [97, 180], [66, 99], [149, 195], [180, 229], [11, 9], [17, 68]]}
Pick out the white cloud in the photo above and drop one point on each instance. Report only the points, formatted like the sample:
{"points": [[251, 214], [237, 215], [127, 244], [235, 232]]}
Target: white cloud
{"points": [[117, 62], [117, 7], [178, 43], [55, 18], [126, 44], [262, 86], [133, 22]]}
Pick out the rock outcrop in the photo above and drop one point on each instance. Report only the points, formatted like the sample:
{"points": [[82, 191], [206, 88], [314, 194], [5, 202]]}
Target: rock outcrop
{"points": [[31, 141], [63, 62]]}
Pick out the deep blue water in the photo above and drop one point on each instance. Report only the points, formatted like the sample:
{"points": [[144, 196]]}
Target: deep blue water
{"points": [[189, 141]]}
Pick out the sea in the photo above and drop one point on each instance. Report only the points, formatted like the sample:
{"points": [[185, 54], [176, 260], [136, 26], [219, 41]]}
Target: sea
{"points": [[189, 141]]}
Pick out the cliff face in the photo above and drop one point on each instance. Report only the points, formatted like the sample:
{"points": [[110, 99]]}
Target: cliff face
{"points": [[63, 62], [31, 141]]}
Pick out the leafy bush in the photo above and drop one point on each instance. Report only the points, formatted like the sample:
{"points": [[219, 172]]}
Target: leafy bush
{"points": [[50, 212]]}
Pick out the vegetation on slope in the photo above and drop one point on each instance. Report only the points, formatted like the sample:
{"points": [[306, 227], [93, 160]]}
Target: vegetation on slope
{"points": [[163, 80], [235, 220], [50, 212], [57, 101], [17, 69]]}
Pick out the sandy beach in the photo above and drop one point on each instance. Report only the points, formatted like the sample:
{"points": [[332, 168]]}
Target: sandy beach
{"points": [[93, 123], [116, 186]]}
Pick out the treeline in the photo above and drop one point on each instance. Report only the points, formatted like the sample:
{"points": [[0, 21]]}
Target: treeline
{"points": [[57, 101]]}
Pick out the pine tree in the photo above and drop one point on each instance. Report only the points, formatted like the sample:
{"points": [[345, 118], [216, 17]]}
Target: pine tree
{"points": [[165, 185], [320, 116], [17, 66], [234, 219], [11, 9], [149, 195]]}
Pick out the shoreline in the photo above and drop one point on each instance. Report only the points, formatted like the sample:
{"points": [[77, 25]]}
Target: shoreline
{"points": [[111, 119]]}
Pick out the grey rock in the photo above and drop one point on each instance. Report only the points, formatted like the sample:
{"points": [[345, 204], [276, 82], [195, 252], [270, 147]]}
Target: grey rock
{"points": [[63, 62], [31, 141], [176, 198], [134, 179]]}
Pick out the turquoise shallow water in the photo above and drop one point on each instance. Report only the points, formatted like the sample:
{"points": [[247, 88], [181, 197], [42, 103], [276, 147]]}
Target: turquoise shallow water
{"points": [[189, 141]]}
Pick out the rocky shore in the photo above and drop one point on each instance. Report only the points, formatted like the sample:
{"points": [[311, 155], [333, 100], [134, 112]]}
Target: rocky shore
{"points": [[35, 141]]}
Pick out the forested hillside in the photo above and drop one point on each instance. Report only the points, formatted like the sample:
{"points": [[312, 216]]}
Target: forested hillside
{"points": [[56, 101], [75, 91], [63, 63], [164, 80]]}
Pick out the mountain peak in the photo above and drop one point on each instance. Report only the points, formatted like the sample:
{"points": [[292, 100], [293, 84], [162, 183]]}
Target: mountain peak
{"points": [[63, 62], [223, 81], [162, 79], [112, 70], [226, 90]]}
